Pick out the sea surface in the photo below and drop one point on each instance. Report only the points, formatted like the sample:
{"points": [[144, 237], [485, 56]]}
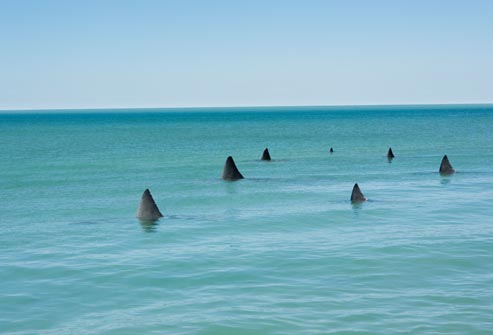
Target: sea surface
{"points": [[281, 252]]}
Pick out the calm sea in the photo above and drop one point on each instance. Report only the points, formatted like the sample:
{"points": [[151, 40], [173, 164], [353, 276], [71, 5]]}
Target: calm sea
{"points": [[280, 252]]}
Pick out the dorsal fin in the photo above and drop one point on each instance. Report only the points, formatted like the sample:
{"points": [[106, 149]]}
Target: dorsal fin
{"points": [[265, 155], [356, 195], [230, 171], [390, 154], [446, 167], [331, 150], [147, 208]]}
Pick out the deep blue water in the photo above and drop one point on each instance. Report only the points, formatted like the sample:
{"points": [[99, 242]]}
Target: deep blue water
{"points": [[281, 252]]}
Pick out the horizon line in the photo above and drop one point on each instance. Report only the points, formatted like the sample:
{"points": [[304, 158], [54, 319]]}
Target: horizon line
{"points": [[240, 107]]}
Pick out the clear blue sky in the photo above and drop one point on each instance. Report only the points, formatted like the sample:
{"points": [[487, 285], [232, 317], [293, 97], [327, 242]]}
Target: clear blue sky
{"points": [[79, 54]]}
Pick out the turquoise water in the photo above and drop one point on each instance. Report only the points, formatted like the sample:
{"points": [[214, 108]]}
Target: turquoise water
{"points": [[280, 252]]}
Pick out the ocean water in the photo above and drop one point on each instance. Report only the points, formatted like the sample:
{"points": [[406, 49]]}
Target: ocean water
{"points": [[281, 252]]}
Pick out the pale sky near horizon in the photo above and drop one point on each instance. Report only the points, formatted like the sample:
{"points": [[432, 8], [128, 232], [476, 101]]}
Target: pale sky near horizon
{"points": [[103, 54]]}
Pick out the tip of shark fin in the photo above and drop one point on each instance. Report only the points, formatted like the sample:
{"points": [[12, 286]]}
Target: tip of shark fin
{"points": [[390, 154], [445, 166], [230, 171], [357, 195], [265, 155], [148, 209]]}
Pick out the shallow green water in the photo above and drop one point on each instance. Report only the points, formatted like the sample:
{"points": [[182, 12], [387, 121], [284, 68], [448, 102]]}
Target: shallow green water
{"points": [[280, 252]]}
